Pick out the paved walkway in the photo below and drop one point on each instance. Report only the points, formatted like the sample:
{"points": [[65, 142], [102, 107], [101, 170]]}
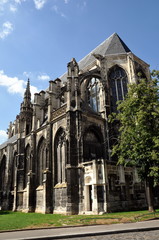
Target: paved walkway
{"points": [[77, 232], [148, 235]]}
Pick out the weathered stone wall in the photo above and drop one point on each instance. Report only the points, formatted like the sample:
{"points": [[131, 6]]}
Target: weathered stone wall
{"points": [[59, 199], [124, 193], [39, 199]]}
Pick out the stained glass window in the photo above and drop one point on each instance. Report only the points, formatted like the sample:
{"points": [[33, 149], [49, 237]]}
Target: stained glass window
{"points": [[118, 86]]}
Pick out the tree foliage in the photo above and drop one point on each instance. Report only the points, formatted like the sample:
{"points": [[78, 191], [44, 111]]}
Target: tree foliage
{"points": [[138, 139]]}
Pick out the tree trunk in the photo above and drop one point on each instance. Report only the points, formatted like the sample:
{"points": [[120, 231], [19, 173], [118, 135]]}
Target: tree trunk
{"points": [[149, 194]]}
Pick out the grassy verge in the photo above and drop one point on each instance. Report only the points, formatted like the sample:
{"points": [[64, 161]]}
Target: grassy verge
{"points": [[18, 220]]}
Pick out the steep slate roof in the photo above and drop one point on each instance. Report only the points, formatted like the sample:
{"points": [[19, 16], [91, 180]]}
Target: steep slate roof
{"points": [[112, 45], [10, 140]]}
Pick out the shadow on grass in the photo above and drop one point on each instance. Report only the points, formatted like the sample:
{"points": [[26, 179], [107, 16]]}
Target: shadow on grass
{"points": [[5, 212], [142, 217], [153, 215]]}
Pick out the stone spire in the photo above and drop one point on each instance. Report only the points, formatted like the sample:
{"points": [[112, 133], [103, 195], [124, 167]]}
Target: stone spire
{"points": [[26, 111], [27, 93], [26, 104]]}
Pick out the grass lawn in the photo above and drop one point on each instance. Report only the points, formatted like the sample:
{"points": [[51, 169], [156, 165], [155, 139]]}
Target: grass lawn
{"points": [[18, 220]]}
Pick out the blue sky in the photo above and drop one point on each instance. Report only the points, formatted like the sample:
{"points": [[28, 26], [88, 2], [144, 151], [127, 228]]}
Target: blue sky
{"points": [[39, 37]]}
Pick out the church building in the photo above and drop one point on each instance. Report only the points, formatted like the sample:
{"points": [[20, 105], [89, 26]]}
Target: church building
{"points": [[57, 158]]}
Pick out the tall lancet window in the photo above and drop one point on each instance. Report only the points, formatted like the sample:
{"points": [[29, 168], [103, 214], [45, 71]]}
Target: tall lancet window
{"points": [[60, 157], [92, 145], [13, 171], [27, 163], [93, 91], [41, 160], [118, 86], [2, 173]]}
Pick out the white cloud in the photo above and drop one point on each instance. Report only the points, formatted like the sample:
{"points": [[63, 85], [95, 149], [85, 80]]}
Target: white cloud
{"points": [[12, 8], [3, 2], [44, 77], [39, 3], [3, 136], [33, 90], [7, 28], [15, 85], [19, 1], [56, 9], [82, 5], [10, 5], [66, 1], [27, 74]]}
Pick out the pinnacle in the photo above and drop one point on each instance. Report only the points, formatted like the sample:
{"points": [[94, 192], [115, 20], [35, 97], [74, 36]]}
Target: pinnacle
{"points": [[27, 93]]}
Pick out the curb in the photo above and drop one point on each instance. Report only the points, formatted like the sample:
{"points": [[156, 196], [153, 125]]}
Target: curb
{"points": [[108, 232]]}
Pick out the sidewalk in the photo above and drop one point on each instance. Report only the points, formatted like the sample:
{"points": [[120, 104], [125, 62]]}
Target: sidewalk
{"points": [[68, 232]]}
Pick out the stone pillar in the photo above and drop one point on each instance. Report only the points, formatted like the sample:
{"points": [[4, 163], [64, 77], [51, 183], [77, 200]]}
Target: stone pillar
{"points": [[52, 103], [34, 119], [30, 192], [69, 93], [105, 182], [131, 68], [81, 188], [72, 190], [47, 193], [72, 116], [15, 191], [86, 198], [94, 189], [94, 199], [20, 173], [58, 91], [49, 108], [106, 112]]}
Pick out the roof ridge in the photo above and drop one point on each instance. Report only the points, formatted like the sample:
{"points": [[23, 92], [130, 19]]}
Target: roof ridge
{"points": [[111, 36], [112, 45], [116, 45]]}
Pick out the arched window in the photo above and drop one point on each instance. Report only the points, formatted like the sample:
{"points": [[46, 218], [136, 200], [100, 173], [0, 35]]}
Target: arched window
{"points": [[27, 163], [41, 160], [60, 157], [118, 86], [2, 173], [13, 171], [93, 91], [92, 145]]}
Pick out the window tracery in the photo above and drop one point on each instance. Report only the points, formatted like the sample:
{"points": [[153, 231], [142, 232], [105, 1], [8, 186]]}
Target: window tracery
{"points": [[93, 91], [42, 154], [60, 159], [118, 86]]}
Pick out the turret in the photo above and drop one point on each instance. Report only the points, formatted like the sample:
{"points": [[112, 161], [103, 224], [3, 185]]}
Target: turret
{"points": [[26, 112], [73, 88]]}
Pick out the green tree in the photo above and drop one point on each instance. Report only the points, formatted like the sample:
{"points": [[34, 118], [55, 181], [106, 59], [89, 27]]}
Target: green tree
{"points": [[138, 139]]}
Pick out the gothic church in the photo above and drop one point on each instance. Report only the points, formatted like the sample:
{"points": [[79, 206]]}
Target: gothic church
{"points": [[57, 158]]}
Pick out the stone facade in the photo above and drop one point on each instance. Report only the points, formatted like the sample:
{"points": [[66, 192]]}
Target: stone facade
{"points": [[58, 155]]}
